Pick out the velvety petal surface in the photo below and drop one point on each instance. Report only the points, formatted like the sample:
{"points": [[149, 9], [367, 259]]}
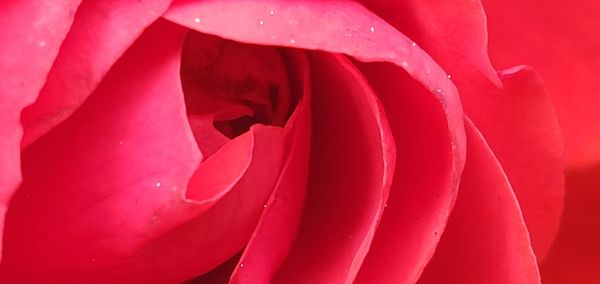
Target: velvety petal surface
{"points": [[341, 27], [486, 240], [124, 161], [31, 34], [531, 153], [575, 256], [351, 169], [561, 41], [425, 181], [101, 33]]}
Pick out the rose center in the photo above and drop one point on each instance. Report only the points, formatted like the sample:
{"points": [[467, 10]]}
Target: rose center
{"points": [[231, 86]]}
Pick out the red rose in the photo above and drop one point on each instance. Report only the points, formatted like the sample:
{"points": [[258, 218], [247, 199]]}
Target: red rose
{"points": [[276, 141]]}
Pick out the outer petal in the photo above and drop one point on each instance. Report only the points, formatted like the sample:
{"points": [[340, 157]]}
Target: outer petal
{"points": [[486, 240], [531, 153], [30, 35], [123, 162], [561, 41], [101, 33], [575, 256]]}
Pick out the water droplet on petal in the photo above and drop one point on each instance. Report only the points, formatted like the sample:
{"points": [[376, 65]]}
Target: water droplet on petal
{"points": [[121, 142], [439, 91], [292, 41], [42, 43], [158, 184], [449, 76], [197, 20], [241, 265], [261, 23], [372, 29], [385, 205], [404, 63], [271, 12], [427, 70], [348, 33], [413, 44], [265, 206]]}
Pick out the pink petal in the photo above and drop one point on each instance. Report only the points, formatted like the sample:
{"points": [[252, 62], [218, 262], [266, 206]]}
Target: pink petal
{"points": [[425, 181], [518, 120], [30, 35], [560, 40], [486, 240], [103, 193], [101, 33], [350, 175], [279, 222]]}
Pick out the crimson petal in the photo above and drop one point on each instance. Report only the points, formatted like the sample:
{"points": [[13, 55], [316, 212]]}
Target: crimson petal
{"points": [[350, 175], [531, 153], [425, 181], [486, 240], [30, 34], [279, 222], [561, 41], [101, 33]]}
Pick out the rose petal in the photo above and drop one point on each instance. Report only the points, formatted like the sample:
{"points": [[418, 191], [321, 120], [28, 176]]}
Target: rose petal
{"points": [[486, 240], [531, 153], [123, 162], [561, 41], [454, 33], [279, 222], [101, 33], [350, 175], [30, 35], [425, 181], [575, 255]]}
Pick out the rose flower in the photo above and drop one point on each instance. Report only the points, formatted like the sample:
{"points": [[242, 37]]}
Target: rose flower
{"points": [[272, 141]]}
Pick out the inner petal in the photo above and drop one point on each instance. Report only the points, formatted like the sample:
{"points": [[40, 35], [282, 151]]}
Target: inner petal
{"points": [[231, 86]]}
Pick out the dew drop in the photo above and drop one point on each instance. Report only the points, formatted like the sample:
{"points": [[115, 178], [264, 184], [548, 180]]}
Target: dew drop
{"points": [[404, 63], [292, 41], [261, 23], [241, 265], [265, 206], [439, 91], [271, 12], [427, 70], [372, 29], [197, 20], [385, 205], [413, 44], [42, 43], [158, 184], [348, 33], [449, 76], [121, 142]]}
